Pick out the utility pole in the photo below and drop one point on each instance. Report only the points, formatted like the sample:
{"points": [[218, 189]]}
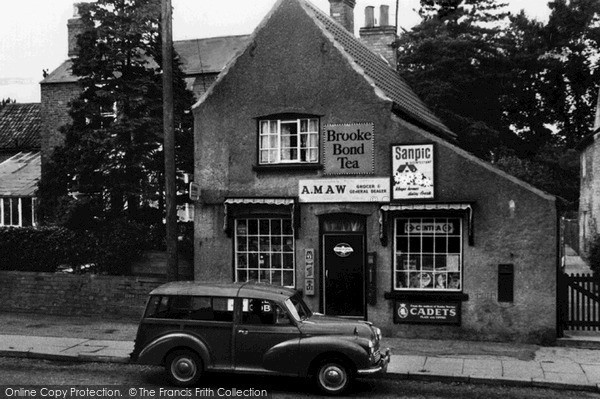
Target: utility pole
{"points": [[169, 140]]}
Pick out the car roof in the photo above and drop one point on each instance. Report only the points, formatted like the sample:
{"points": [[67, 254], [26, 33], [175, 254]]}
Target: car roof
{"points": [[245, 290]]}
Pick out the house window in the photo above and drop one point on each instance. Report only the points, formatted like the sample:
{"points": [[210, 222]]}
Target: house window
{"points": [[289, 141], [264, 251], [428, 254], [16, 211]]}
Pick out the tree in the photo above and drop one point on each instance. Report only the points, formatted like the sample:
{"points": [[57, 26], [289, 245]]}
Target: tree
{"points": [[455, 60], [5, 101], [517, 92], [111, 159]]}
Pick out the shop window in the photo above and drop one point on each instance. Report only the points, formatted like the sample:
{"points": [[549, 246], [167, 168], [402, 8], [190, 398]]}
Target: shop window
{"points": [[428, 254], [17, 211], [264, 251], [288, 141]]}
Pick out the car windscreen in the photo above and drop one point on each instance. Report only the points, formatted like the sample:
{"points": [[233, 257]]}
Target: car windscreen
{"points": [[298, 309]]}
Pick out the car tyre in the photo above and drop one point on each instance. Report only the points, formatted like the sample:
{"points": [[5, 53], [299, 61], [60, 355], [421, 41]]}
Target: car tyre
{"points": [[184, 368], [333, 377]]}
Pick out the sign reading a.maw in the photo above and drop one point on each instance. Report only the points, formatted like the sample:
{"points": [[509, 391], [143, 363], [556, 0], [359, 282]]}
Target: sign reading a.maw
{"points": [[412, 171], [348, 149], [344, 190]]}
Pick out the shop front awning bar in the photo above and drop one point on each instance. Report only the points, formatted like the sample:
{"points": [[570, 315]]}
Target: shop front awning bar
{"points": [[465, 207], [291, 203]]}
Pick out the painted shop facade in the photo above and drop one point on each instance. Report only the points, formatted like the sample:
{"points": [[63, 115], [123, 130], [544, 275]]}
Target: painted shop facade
{"points": [[318, 168]]}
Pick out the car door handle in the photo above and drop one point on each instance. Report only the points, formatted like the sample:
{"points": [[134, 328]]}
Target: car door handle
{"points": [[243, 331]]}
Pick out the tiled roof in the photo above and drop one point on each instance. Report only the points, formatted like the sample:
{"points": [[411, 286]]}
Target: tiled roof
{"points": [[380, 73], [19, 175], [198, 56], [20, 126]]}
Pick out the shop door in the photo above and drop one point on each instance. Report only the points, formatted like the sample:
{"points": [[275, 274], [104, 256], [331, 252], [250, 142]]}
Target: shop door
{"points": [[343, 273]]}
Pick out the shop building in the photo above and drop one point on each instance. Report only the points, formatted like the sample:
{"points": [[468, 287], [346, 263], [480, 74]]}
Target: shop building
{"points": [[318, 168]]}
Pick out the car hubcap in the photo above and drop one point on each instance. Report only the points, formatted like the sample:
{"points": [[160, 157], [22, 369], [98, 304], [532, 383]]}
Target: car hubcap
{"points": [[184, 369], [332, 377]]}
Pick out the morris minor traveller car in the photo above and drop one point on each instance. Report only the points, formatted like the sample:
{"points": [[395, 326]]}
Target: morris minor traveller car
{"points": [[192, 328]]}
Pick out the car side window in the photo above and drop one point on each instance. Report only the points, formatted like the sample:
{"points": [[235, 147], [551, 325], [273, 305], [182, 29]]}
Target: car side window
{"points": [[263, 312]]}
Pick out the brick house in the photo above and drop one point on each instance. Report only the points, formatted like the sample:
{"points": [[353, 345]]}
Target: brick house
{"points": [[589, 191], [202, 61], [296, 148]]}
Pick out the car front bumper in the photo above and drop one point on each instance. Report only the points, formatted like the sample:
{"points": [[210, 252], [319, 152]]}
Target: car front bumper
{"points": [[380, 366]]}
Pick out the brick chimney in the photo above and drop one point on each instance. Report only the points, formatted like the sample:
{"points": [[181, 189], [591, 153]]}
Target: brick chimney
{"points": [[74, 28], [342, 11], [380, 38]]}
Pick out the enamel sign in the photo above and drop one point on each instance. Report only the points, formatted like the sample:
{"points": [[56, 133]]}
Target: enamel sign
{"points": [[348, 149], [412, 171], [344, 190]]}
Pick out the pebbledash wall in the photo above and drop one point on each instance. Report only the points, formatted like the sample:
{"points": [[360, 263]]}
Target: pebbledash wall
{"points": [[75, 295]]}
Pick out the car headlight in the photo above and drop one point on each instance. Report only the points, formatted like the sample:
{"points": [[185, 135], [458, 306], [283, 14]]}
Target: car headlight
{"points": [[378, 334], [371, 347]]}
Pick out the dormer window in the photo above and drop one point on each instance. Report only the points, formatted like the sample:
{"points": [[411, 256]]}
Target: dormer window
{"points": [[289, 140]]}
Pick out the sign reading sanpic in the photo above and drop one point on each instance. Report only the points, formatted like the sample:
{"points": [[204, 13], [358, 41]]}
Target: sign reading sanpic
{"points": [[344, 190], [348, 148], [412, 171], [427, 312]]}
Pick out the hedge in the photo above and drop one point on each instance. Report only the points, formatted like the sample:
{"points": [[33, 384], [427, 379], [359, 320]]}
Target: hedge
{"points": [[110, 248]]}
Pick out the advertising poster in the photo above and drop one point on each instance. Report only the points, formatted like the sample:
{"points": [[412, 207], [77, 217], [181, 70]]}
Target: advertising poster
{"points": [[348, 149], [427, 312], [412, 172]]}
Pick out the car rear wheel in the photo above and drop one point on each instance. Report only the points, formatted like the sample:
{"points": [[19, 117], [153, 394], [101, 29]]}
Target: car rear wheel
{"points": [[333, 377], [184, 368]]}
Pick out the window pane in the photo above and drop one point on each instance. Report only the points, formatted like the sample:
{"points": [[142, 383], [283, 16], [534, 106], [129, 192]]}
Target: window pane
{"points": [[26, 210], [6, 204], [314, 125], [15, 211], [267, 253], [428, 254], [264, 127]]}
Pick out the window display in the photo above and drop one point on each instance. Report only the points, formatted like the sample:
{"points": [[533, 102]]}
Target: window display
{"points": [[428, 254]]}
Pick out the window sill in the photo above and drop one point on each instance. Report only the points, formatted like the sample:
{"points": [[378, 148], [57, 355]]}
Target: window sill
{"points": [[427, 296], [292, 167]]}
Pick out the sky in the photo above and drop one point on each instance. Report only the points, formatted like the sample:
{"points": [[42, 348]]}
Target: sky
{"points": [[33, 33]]}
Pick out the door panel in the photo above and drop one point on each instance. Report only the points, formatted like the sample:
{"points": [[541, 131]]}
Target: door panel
{"points": [[343, 263], [259, 330]]}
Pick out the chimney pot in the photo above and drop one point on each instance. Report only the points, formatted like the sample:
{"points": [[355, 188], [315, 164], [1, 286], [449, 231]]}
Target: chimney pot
{"points": [[384, 12], [369, 17]]}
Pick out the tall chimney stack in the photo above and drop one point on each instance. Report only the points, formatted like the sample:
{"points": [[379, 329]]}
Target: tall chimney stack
{"points": [[342, 11], [380, 38], [74, 29]]}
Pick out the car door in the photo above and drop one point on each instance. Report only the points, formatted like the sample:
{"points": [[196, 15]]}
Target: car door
{"points": [[263, 324]]}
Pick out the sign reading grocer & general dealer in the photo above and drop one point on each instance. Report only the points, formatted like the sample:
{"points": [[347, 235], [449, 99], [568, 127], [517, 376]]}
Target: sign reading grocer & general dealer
{"points": [[348, 149], [427, 312], [412, 171]]}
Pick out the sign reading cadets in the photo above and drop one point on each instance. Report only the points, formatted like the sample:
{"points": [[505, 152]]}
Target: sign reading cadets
{"points": [[412, 171]]}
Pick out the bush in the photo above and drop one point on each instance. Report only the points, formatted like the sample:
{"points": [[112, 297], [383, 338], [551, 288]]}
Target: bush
{"points": [[594, 255], [111, 247]]}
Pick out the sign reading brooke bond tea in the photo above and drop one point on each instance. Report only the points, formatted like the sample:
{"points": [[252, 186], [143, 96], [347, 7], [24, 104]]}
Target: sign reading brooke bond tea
{"points": [[348, 149]]}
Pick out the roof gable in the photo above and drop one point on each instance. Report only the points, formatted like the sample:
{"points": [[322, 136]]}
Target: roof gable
{"points": [[372, 67], [20, 126]]}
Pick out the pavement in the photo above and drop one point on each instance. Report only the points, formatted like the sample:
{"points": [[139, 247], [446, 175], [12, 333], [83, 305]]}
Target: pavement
{"points": [[559, 367]]}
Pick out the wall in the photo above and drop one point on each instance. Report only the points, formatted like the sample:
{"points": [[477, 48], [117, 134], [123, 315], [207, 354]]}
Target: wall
{"points": [[75, 295], [55, 98], [589, 203]]}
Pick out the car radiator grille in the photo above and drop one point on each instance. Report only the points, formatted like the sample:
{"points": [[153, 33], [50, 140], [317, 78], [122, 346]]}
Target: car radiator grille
{"points": [[377, 355]]}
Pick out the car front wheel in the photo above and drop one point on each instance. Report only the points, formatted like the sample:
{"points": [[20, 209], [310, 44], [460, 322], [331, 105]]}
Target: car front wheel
{"points": [[184, 368], [333, 377]]}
